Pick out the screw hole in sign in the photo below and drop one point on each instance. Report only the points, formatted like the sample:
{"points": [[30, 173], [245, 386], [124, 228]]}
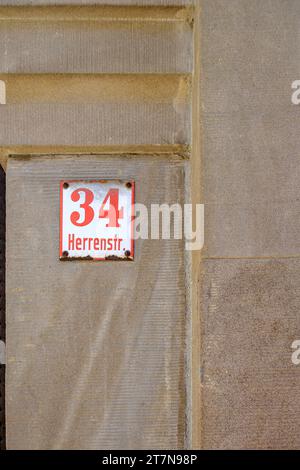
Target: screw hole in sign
{"points": [[96, 220]]}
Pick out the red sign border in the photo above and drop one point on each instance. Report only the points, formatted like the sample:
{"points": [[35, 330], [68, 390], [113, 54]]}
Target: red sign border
{"points": [[131, 258]]}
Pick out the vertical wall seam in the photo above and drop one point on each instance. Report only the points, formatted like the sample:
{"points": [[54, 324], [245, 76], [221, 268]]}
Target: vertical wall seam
{"points": [[196, 188]]}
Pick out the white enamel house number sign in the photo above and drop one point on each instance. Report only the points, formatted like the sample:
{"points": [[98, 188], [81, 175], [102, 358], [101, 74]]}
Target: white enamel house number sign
{"points": [[96, 220]]}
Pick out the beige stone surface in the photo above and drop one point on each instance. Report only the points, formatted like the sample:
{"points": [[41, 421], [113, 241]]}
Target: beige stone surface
{"points": [[98, 109], [251, 165], [95, 350], [46, 45], [94, 124], [171, 89], [250, 387], [251, 174], [255, 229], [250, 178]]}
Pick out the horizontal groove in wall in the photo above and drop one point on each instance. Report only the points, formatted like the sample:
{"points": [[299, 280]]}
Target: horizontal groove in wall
{"points": [[96, 13], [181, 151], [83, 88], [163, 151], [99, 2]]}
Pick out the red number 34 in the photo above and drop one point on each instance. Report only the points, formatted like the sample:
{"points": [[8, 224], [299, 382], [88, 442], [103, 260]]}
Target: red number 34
{"points": [[113, 213]]}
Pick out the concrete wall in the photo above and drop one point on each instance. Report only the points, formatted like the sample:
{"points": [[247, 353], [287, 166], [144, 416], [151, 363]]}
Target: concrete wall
{"points": [[96, 352], [246, 313], [251, 265]]}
